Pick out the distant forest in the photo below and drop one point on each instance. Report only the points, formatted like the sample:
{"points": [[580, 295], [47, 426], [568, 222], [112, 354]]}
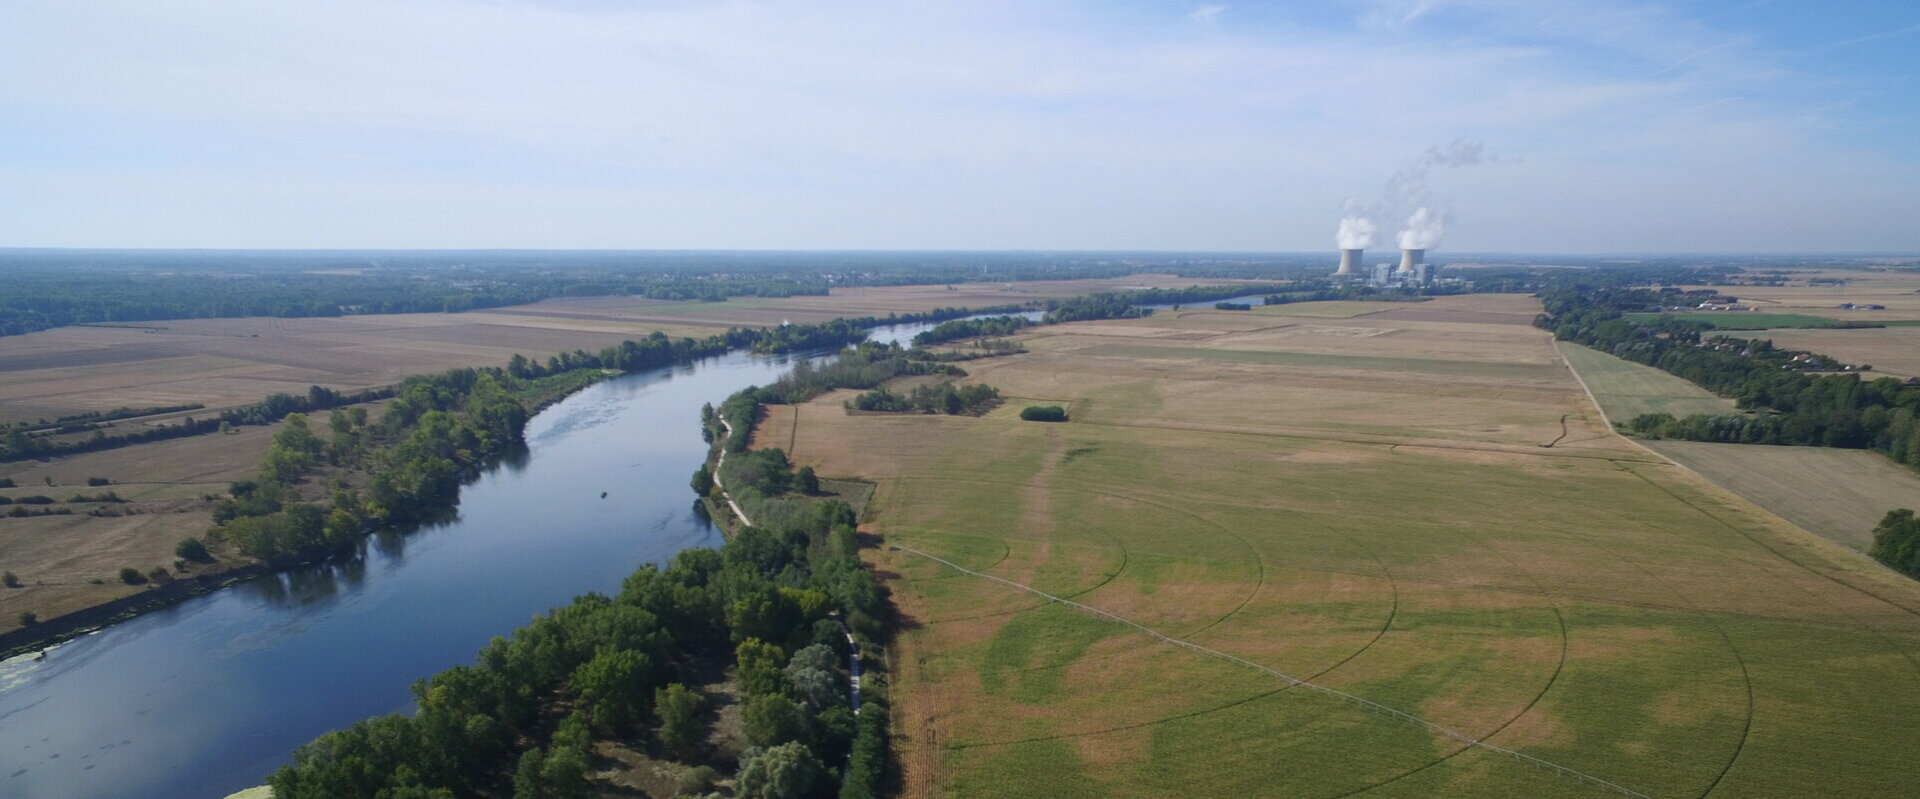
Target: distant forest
{"points": [[52, 288]]}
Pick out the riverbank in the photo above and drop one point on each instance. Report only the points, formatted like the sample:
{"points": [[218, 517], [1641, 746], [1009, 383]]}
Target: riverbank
{"points": [[52, 632], [241, 461]]}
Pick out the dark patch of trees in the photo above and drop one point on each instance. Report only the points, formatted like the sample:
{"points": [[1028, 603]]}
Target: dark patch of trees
{"points": [[1232, 306], [864, 366], [1043, 413], [50, 290], [1789, 401], [958, 329], [1127, 304], [1896, 542], [944, 397], [436, 430]]}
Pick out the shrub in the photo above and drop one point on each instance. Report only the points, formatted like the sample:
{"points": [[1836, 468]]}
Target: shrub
{"points": [[34, 499], [28, 618], [697, 780], [98, 481], [193, 549], [1044, 413], [132, 576], [159, 574], [6, 482], [10, 579]]}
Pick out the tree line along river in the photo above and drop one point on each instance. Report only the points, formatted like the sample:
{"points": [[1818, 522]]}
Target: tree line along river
{"points": [[209, 696]]}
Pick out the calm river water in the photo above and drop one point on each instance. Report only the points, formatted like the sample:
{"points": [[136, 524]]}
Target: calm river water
{"points": [[210, 696]]}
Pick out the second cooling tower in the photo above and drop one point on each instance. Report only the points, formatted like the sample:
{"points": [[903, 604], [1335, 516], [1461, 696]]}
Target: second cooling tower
{"points": [[1411, 258]]}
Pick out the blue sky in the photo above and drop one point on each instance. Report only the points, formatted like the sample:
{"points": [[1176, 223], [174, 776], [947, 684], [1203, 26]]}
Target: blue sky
{"points": [[1606, 126]]}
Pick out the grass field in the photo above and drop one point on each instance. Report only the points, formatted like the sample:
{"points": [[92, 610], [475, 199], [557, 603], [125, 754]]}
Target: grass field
{"points": [[1626, 389], [1587, 603]]}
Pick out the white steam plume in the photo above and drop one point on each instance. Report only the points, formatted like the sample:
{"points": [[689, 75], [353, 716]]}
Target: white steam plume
{"points": [[1423, 229], [1356, 230], [1406, 198]]}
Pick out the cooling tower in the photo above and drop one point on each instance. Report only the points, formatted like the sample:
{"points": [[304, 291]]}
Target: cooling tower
{"points": [[1349, 262], [1410, 257]]}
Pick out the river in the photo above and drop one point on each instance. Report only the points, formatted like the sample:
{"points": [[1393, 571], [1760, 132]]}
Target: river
{"points": [[211, 695]]}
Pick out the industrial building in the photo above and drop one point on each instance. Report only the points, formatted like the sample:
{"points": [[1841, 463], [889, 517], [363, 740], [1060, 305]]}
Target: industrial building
{"points": [[1413, 271]]}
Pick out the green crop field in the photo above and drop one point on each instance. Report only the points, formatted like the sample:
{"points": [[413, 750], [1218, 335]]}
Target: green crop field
{"points": [[1587, 605], [1736, 320], [1626, 389]]}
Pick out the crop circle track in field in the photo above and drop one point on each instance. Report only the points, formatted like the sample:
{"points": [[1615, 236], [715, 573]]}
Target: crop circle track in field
{"points": [[1392, 615], [1289, 679], [1260, 563], [1881, 634], [1565, 644]]}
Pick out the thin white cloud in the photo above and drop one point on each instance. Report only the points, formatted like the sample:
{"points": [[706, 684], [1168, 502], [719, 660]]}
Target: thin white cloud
{"points": [[1874, 37], [1206, 13]]}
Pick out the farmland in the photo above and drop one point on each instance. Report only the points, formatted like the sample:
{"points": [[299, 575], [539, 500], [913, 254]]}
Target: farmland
{"points": [[71, 561], [1751, 321], [227, 362], [1839, 494], [1399, 534], [1626, 389], [1891, 351]]}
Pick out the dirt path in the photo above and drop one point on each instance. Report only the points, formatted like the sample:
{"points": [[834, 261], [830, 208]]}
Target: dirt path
{"points": [[737, 512]]}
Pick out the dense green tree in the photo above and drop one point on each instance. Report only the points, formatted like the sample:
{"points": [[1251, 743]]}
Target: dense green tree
{"points": [[759, 667], [1896, 542], [771, 720], [787, 771], [814, 678], [679, 709], [614, 688]]}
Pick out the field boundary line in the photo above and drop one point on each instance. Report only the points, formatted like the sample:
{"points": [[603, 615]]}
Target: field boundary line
{"points": [[1363, 703]]}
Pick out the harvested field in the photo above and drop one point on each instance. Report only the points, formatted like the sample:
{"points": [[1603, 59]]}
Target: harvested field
{"points": [[1838, 493], [227, 362], [1899, 291], [70, 562], [1891, 351], [1394, 532]]}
